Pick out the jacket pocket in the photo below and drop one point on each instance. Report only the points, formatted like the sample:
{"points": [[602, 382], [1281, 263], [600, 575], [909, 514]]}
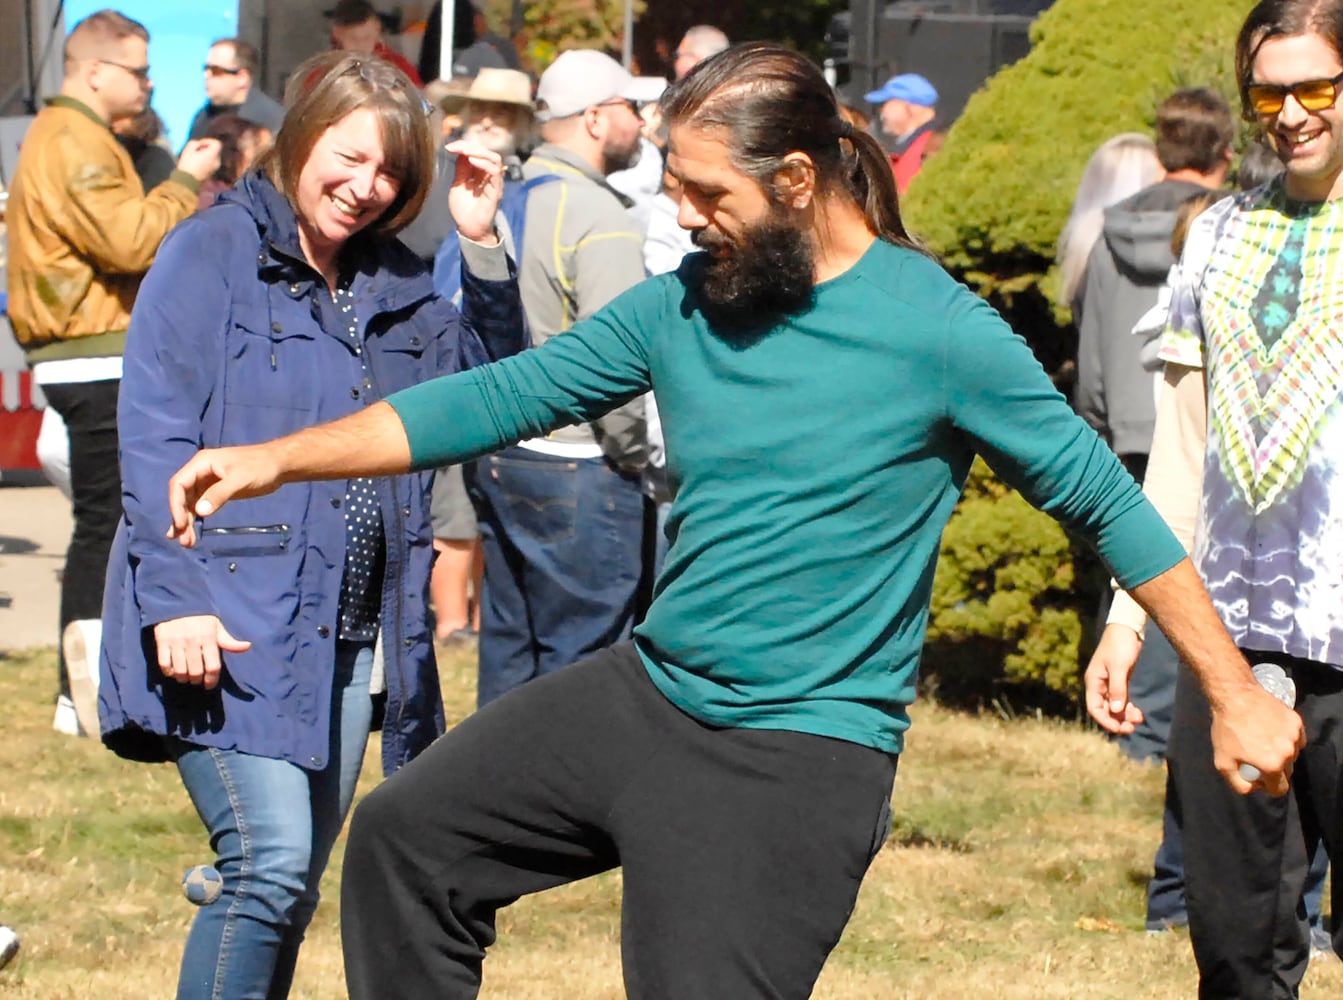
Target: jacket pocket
{"points": [[272, 363], [260, 540], [402, 361]]}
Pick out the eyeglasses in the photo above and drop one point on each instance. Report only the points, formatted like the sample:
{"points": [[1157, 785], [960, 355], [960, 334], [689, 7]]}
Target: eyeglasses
{"points": [[141, 73], [214, 70], [1313, 95], [616, 102]]}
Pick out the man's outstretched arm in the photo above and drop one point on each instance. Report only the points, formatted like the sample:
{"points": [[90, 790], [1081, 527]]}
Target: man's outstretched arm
{"points": [[371, 442]]}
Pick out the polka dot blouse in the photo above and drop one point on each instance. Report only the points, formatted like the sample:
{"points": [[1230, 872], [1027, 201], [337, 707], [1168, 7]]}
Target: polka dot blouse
{"points": [[361, 587]]}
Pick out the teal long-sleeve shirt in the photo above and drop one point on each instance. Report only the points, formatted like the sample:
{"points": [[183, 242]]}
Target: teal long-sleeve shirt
{"points": [[814, 467]]}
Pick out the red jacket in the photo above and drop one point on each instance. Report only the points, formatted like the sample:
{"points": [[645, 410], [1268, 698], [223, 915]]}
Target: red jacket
{"points": [[906, 165], [389, 54]]}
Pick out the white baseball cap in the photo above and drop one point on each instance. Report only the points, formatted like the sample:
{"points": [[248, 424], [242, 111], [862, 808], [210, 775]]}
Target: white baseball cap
{"points": [[583, 78]]}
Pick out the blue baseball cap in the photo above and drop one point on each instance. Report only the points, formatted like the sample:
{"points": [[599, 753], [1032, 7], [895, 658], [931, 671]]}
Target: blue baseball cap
{"points": [[906, 87]]}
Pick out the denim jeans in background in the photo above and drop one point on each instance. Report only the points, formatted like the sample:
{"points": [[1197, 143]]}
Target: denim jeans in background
{"points": [[272, 825], [563, 552]]}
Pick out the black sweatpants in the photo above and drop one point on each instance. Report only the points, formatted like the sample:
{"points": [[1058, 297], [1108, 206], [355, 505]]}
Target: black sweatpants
{"points": [[89, 410], [1246, 857], [742, 850]]}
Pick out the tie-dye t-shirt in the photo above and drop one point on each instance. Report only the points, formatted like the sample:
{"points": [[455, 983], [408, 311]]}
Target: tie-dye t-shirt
{"points": [[1259, 306]]}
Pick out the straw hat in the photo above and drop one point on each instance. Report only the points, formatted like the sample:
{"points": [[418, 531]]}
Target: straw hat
{"points": [[498, 86]]}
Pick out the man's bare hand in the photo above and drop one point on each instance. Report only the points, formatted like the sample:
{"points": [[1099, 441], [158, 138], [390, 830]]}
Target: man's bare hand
{"points": [[200, 158], [1107, 680], [189, 649], [214, 477], [1250, 726]]}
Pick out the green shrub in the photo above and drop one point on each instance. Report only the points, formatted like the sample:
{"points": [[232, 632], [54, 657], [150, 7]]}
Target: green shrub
{"points": [[993, 201], [1013, 603]]}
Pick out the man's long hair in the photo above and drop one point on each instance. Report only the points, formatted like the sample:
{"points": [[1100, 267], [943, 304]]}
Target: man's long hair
{"points": [[769, 101]]}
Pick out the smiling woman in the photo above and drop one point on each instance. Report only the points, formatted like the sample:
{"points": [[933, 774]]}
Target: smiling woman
{"points": [[357, 152], [248, 662]]}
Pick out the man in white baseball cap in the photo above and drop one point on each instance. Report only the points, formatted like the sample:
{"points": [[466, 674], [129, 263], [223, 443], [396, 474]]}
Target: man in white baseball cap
{"points": [[586, 78]]}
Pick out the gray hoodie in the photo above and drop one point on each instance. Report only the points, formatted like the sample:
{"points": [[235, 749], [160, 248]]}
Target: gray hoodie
{"points": [[1124, 276]]}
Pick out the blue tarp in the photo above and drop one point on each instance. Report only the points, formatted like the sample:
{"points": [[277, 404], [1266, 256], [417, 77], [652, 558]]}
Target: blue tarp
{"points": [[180, 33]]}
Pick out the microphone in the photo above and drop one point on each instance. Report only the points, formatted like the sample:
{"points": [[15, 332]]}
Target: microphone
{"points": [[1273, 679]]}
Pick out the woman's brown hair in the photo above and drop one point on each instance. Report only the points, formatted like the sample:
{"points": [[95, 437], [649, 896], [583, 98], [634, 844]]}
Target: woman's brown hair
{"points": [[326, 88]]}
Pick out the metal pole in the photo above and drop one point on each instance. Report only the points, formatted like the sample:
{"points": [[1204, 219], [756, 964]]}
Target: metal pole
{"points": [[445, 46], [627, 43]]}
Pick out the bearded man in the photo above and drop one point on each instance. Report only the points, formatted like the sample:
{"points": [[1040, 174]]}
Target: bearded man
{"points": [[824, 386]]}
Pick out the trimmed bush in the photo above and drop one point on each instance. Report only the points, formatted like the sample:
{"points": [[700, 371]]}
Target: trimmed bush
{"points": [[1014, 599], [1009, 621], [993, 201]]}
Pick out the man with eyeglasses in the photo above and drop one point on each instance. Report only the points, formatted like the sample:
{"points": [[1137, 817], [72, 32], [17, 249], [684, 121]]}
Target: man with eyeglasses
{"points": [[561, 516], [1245, 465], [82, 232], [231, 70]]}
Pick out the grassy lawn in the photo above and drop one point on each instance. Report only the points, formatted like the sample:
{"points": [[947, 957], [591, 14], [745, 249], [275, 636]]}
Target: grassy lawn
{"points": [[1016, 870]]}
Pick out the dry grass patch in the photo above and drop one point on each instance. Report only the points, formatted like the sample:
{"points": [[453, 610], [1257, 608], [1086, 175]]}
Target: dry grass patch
{"points": [[1015, 869]]}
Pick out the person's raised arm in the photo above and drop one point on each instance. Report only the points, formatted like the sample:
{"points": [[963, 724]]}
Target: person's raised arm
{"points": [[109, 221], [494, 325]]}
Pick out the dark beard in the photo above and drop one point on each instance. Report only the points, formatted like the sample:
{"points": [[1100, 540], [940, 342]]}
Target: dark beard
{"points": [[621, 159], [769, 275]]}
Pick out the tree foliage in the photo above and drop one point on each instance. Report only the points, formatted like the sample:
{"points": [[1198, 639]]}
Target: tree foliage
{"points": [[551, 26]]}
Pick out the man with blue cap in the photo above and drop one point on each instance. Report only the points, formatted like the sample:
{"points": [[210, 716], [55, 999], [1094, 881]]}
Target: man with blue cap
{"points": [[908, 106]]}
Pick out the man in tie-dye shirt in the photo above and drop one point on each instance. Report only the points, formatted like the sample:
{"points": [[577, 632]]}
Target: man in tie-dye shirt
{"points": [[1247, 466]]}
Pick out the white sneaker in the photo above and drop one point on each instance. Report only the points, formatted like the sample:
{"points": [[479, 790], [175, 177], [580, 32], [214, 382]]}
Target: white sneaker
{"points": [[82, 645], [9, 945], [65, 721]]}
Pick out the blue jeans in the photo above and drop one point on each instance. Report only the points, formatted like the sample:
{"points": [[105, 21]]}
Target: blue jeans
{"points": [[562, 540], [271, 851]]}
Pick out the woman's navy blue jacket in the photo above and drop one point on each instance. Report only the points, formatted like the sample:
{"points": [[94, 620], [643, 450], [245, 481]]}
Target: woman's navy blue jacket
{"points": [[234, 340]]}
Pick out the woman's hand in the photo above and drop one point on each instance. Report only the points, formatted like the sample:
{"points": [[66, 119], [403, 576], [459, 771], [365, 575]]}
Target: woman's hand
{"points": [[477, 186], [1107, 679], [189, 648]]}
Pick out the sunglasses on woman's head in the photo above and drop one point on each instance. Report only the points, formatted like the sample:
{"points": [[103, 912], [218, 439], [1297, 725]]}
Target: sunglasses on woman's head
{"points": [[381, 75]]}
